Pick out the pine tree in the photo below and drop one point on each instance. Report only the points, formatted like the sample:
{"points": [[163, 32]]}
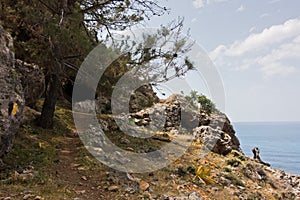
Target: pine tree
{"points": [[59, 34]]}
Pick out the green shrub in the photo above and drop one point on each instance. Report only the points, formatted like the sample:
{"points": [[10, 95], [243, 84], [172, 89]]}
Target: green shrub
{"points": [[205, 103], [234, 162], [227, 169], [234, 179], [239, 155]]}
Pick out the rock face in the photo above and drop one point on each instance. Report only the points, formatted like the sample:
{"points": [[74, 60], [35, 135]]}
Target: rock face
{"points": [[11, 94], [217, 133], [143, 97], [33, 81], [213, 130]]}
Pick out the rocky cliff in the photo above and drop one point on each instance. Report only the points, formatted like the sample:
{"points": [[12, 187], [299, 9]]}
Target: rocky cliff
{"points": [[11, 94]]}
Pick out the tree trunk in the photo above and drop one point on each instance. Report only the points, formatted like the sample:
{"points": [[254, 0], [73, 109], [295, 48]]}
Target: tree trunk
{"points": [[52, 94]]}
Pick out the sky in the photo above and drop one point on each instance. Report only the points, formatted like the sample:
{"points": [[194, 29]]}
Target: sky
{"points": [[255, 46]]}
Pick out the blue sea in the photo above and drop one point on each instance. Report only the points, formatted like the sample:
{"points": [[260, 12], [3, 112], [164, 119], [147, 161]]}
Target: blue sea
{"points": [[279, 142]]}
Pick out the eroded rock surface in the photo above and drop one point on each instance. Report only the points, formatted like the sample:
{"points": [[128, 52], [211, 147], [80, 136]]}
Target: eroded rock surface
{"points": [[33, 81], [11, 94], [178, 116]]}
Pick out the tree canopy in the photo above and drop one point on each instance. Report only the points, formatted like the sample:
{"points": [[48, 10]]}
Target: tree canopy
{"points": [[59, 34]]}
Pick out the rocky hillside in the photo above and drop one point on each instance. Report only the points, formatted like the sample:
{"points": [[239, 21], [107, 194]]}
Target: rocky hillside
{"points": [[54, 164]]}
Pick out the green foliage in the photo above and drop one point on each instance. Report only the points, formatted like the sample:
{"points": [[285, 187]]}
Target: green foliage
{"points": [[235, 162], [238, 155], [205, 103], [59, 34], [30, 149], [234, 179], [227, 169]]}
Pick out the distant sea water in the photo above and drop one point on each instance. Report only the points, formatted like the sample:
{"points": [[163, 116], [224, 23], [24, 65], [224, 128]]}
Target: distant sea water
{"points": [[279, 142]]}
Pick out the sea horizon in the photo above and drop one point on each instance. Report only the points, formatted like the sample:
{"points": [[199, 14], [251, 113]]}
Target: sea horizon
{"points": [[278, 141]]}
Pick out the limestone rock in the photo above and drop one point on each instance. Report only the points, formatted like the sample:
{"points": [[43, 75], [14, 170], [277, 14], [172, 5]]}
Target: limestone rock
{"points": [[113, 188], [33, 81], [176, 114], [10, 92], [29, 115], [217, 133], [142, 98]]}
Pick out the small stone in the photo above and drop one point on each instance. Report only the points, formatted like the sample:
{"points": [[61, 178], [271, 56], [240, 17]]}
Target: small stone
{"points": [[84, 178], [195, 196], [7, 198], [38, 198], [81, 168], [129, 149], [80, 191], [130, 190], [113, 188], [241, 187], [143, 185], [27, 196], [75, 165], [124, 140], [144, 123], [174, 132]]}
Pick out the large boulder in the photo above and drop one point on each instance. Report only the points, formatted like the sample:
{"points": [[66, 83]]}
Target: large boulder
{"points": [[33, 81], [142, 98], [11, 94], [217, 133]]}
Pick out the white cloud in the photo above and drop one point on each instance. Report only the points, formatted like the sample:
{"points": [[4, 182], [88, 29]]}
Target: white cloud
{"points": [[269, 36], [284, 51], [241, 8], [275, 50], [272, 69], [275, 62], [199, 3]]}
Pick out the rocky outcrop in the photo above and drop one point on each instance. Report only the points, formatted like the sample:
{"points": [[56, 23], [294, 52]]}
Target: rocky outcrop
{"points": [[213, 130], [11, 94], [217, 133], [142, 98], [33, 81]]}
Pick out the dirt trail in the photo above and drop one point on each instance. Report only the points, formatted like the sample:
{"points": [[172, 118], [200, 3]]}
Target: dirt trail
{"points": [[71, 175]]}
